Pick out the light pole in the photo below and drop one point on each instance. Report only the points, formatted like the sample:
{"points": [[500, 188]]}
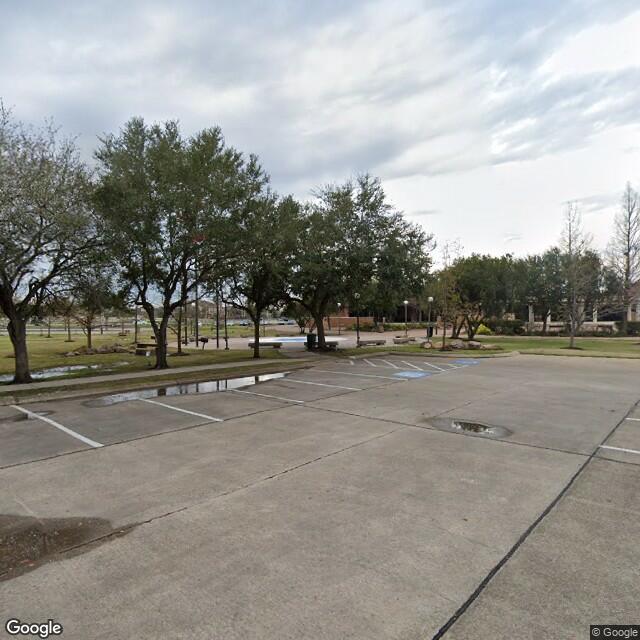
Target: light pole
{"points": [[356, 297], [339, 307], [218, 317], [406, 327], [195, 304], [195, 320], [135, 324], [226, 333], [185, 340], [429, 327]]}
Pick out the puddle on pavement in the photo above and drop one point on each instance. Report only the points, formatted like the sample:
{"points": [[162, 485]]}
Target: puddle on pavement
{"points": [[54, 372], [210, 386], [470, 427], [27, 542]]}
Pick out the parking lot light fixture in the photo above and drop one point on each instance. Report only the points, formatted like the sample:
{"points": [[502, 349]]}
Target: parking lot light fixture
{"points": [[406, 327], [339, 307], [356, 297]]}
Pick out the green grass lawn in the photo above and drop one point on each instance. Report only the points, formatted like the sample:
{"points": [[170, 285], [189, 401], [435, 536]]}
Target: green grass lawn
{"points": [[594, 347], [601, 347], [45, 353]]}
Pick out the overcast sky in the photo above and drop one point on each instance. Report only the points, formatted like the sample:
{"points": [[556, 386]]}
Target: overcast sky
{"points": [[481, 116]]}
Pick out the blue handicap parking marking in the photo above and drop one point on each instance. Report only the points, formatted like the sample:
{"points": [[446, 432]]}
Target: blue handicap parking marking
{"points": [[412, 374], [466, 361]]}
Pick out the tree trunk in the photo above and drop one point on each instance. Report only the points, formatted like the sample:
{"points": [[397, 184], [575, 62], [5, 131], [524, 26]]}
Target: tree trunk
{"points": [[69, 330], [89, 330], [17, 328], [317, 318], [160, 332], [256, 336]]}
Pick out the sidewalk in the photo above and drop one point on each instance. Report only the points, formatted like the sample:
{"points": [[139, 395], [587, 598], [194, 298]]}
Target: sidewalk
{"points": [[151, 373]]}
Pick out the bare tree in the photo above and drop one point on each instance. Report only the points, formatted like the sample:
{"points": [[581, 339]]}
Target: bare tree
{"points": [[624, 247], [574, 243], [46, 225]]}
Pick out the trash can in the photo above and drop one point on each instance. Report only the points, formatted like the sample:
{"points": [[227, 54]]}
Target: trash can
{"points": [[311, 341]]}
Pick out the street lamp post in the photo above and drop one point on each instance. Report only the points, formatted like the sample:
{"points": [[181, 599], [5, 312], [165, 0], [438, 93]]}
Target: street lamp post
{"points": [[406, 326], [429, 333], [195, 304], [218, 317], [357, 298], [226, 333], [339, 307]]}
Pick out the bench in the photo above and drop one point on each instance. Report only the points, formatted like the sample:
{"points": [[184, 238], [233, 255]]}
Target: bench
{"points": [[275, 345], [143, 347], [403, 340], [371, 342], [332, 345]]}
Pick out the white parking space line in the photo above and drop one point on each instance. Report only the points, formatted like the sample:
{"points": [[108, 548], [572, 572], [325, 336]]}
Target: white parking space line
{"points": [[322, 384], [371, 364], [360, 375], [411, 365], [265, 395], [389, 363], [435, 367], [57, 425], [633, 419], [604, 446], [191, 413]]}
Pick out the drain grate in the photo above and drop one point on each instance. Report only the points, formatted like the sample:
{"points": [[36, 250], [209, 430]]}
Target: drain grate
{"points": [[474, 427], [470, 427]]}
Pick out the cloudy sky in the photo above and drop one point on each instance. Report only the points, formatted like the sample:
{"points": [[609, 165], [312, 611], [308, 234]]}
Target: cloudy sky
{"points": [[481, 116]]}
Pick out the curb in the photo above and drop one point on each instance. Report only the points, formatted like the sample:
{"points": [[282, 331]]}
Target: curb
{"points": [[41, 395]]}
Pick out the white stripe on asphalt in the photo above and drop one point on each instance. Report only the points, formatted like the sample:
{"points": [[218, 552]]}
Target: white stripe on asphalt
{"points": [[604, 446], [411, 365], [361, 375], [371, 364], [389, 363], [264, 395], [633, 419], [436, 367], [191, 413], [57, 425], [322, 384]]}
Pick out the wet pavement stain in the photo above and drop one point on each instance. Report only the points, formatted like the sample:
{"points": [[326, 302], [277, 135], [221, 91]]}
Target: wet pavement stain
{"points": [[28, 542]]}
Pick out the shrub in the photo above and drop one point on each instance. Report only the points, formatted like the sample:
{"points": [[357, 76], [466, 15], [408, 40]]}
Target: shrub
{"points": [[399, 326], [506, 327], [483, 330], [633, 328]]}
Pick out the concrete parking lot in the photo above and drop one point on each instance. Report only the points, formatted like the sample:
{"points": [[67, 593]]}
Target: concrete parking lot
{"points": [[346, 500]]}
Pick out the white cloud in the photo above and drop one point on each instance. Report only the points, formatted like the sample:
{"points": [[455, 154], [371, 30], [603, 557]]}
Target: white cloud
{"points": [[490, 113]]}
